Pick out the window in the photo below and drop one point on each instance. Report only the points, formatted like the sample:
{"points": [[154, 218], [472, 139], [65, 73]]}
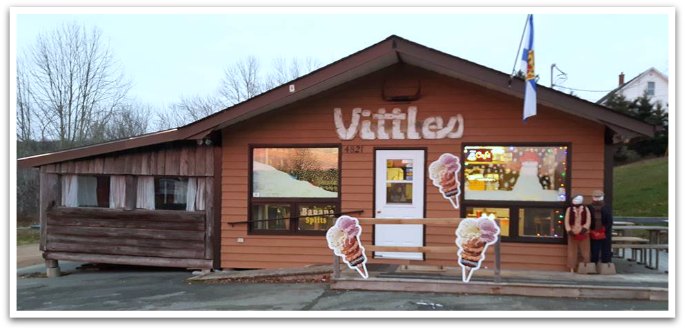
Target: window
{"points": [[294, 189], [650, 88], [541, 222], [171, 193], [525, 186], [277, 214], [399, 181], [515, 173], [85, 191], [502, 215]]}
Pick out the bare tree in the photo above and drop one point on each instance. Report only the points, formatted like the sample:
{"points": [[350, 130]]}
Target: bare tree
{"points": [[25, 114], [284, 72], [129, 119], [242, 81], [189, 109], [75, 83]]}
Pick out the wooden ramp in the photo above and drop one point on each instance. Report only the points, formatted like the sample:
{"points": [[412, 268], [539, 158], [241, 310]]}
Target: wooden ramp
{"points": [[537, 284]]}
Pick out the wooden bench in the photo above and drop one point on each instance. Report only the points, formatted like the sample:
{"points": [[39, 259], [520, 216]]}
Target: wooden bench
{"points": [[644, 249], [618, 240]]}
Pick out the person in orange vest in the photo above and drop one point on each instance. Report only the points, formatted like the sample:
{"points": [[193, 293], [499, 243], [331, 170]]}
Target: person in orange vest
{"points": [[577, 224]]}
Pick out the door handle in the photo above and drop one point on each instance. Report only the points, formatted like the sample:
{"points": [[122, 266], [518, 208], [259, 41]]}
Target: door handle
{"points": [[378, 212]]}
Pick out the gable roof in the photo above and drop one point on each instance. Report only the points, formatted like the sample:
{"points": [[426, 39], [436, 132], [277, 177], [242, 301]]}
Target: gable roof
{"points": [[388, 52], [631, 82]]}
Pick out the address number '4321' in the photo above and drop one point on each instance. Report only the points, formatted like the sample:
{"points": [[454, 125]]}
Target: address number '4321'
{"points": [[353, 149]]}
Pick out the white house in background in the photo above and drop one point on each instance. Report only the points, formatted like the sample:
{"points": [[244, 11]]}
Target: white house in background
{"points": [[652, 81]]}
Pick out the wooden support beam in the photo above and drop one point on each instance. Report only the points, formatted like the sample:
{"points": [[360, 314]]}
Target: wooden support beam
{"points": [[423, 249], [131, 260], [420, 221], [49, 198]]}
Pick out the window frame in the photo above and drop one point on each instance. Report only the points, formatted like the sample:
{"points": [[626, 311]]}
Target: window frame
{"points": [[157, 178], [651, 91], [294, 202], [515, 206]]}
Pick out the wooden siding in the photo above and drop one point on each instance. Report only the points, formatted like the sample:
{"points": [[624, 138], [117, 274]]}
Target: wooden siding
{"points": [[187, 160], [139, 234], [489, 117]]}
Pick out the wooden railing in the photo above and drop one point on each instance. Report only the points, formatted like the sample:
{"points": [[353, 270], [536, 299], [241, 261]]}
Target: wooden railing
{"points": [[454, 222]]}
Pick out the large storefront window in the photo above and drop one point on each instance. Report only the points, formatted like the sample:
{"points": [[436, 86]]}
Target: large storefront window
{"points": [[515, 173], [294, 189], [525, 186]]}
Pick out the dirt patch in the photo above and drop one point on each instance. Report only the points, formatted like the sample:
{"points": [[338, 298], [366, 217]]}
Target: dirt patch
{"points": [[29, 255], [308, 278], [40, 275]]}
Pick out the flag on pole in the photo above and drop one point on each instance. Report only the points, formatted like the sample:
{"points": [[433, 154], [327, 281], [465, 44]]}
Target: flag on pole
{"points": [[528, 62]]}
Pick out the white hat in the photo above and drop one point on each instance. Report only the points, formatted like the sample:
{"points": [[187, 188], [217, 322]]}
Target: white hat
{"points": [[577, 200]]}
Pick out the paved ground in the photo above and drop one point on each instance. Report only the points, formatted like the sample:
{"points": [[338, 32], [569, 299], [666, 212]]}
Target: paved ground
{"points": [[147, 289], [122, 288]]}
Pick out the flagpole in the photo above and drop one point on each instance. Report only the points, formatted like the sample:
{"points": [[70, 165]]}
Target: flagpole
{"points": [[518, 52]]}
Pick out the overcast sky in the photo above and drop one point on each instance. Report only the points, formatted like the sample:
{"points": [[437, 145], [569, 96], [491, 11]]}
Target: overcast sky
{"points": [[168, 56]]}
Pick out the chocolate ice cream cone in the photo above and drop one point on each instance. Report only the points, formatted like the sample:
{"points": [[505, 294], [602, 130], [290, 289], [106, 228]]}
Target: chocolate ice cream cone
{"points": [[361, 269], [466, 273]]}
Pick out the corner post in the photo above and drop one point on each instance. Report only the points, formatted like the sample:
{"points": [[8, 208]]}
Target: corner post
{"points": [[52, 268]]}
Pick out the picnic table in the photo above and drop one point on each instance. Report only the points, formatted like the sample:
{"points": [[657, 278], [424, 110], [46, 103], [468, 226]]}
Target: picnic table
{"points": [[645, 246]]}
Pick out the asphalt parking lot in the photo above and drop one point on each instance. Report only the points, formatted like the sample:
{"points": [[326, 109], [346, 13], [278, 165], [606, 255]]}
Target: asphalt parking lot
{"points": [[152, 289]]}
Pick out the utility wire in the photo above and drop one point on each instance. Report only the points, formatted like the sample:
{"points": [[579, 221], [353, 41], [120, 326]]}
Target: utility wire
{"points": [[583, 90]]}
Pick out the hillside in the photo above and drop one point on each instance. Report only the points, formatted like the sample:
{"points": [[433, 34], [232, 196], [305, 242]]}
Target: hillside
{"points": [[641, 188]]}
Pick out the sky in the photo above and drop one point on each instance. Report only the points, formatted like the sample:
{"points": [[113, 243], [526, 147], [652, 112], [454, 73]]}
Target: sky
{"points": [[170, 55]]}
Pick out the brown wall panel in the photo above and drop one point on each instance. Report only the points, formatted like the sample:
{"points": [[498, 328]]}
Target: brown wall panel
{"points": [[489, 118]]}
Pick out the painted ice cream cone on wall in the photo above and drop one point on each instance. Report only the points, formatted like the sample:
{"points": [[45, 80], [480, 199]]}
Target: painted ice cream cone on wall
{"points": [[473, 238], [343, 239], [444, 174]]}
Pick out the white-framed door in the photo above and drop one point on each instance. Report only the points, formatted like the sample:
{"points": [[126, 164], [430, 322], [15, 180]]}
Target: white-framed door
{"points": [[399, 194]]}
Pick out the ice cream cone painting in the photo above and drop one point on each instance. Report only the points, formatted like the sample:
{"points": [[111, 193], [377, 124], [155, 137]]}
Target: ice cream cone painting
{"points": [[343, 239], [473, 238], [445, 175]]}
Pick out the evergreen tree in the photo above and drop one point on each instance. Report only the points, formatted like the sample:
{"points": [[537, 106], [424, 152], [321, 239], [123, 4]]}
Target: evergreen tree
{"points": [[642, 109]]}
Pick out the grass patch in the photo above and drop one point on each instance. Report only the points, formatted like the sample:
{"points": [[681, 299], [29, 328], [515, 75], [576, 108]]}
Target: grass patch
{"points": [[641, 189], [27, 236]]}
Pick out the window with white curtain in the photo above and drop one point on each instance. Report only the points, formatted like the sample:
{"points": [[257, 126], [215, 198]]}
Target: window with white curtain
{"points": [[171, 193], [85, 191], [117, 192], [145, 193]]}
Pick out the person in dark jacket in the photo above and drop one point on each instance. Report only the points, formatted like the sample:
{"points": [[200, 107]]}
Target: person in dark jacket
{"points": [[600, 249]]}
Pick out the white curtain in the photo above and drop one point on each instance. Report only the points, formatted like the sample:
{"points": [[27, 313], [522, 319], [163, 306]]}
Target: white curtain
{"points": [[191, 188], [200, 194], [69, 191], [87, 191], [117, 192], [145, 197], [180, 189]]}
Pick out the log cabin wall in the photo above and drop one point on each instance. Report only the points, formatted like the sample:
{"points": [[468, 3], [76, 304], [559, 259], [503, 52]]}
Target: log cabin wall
{"points": [[489, 117], [132, 236]]}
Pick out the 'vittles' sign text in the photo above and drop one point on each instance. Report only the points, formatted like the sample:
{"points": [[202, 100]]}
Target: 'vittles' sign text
{"points": [[396, 125]]}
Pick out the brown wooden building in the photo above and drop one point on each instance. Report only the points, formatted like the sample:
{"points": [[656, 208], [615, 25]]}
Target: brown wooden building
{"points": [[257, 185]]}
